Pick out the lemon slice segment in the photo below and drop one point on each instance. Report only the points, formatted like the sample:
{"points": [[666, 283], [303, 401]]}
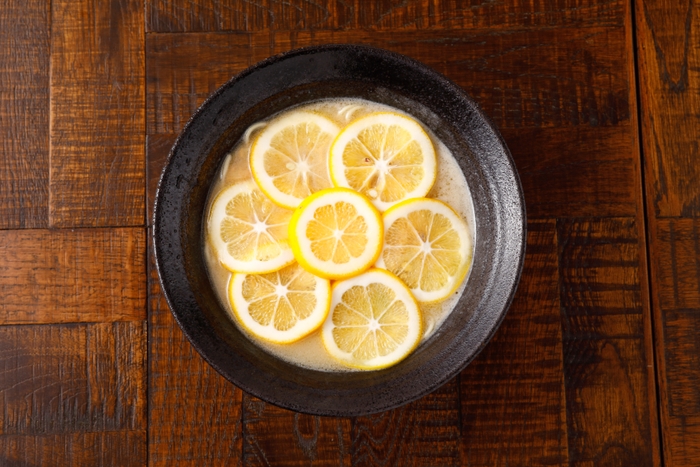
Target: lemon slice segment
{"points": [[336, 233], [289, 159], [385, 156], [374, 321], [428, 246], [247, 231], [282, 306]]}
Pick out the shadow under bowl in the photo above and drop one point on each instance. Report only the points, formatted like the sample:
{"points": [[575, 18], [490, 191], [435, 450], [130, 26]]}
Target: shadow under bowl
{"points": [[302, 76]]}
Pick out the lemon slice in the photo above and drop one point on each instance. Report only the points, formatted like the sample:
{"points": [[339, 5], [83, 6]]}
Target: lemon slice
{"points": [[428, 246], [336, 233], [289, 160], [282, 306], [247, 231], [385, 156], [374, 321]]}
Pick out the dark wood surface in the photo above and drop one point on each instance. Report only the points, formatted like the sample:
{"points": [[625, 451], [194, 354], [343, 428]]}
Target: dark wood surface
{"points": [[598, 360]]}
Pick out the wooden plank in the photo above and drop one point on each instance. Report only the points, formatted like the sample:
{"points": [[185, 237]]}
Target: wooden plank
{"points": [[425, 432], [677, 263], [158, 148], [97, 174], [59, 379], [239, 15], [117, 448], [57, 276], [24, 114], [279, 437], [194, 413], [669, 83], [575, 172], [676, 271], [513, 401], [522, 79], [117, 374], [606, 364]]}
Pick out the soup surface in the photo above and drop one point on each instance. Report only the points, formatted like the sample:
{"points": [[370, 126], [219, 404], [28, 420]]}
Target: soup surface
{"points": [[450, 186]]}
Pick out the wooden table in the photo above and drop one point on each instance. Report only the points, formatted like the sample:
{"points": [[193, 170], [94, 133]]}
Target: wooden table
{"points": [[598, 360]]}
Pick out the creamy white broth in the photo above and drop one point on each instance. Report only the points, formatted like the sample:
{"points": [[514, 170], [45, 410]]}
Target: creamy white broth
{"points": [[450, 186]]}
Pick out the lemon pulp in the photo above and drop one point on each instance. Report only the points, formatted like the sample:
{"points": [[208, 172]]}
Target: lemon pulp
{"points": [[450, 186], [336, 233], [374, 321], [283, 306], [386, 156], [289, 158]]}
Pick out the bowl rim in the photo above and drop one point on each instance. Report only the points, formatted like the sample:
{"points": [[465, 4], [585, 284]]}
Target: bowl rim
{"points": [[184, 319]]}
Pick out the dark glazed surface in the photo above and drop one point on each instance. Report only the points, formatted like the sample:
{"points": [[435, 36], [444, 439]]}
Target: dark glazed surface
{"points": [[302, 76]]}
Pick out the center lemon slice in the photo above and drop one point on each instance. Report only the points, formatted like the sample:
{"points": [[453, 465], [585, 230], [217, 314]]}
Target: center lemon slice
{"points": [[282, 306], [336, 233], [289, 160], [374, 321], [386, 156]]}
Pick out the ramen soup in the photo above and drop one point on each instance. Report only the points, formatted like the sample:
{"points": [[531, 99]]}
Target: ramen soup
{"points": [[450, 186]]}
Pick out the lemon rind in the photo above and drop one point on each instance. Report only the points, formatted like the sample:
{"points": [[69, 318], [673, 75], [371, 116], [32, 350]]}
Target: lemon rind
{"points": [[219, 247], [255, 329], [256, 162], [337, 176], [467, 250], [327, 328], [332, 271]]}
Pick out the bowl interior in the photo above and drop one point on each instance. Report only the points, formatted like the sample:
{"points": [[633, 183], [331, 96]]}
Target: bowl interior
{"points": [[301, 77]]}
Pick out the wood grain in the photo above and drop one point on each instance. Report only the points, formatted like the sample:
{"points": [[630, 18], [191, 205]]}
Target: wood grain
{"points": [[569, 166], [522, 79], [424, 432], [59, 379], [677, 264], [24, 113], [194, 413], [97, 173], [512, 395], [58, 276], [239, 15], [116, 448], [605, 359], [279, 437], [676, 271], [566, 380], [157, 150], [579, 171], [669, 82]]}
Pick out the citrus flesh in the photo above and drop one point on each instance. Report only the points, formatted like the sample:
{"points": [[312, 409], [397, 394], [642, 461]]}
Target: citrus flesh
{"points": [[386, 156], [282, 306], [428, 246], [247, 231], [289, 159], [374, 321], [317, 196], [336, 233]]}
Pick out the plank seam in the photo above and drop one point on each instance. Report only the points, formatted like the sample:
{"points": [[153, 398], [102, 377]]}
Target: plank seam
{"points": [[645, 215]]}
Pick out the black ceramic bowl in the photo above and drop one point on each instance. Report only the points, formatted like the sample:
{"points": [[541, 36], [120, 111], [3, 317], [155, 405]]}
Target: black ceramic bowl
{"points": [[302, 76]]}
